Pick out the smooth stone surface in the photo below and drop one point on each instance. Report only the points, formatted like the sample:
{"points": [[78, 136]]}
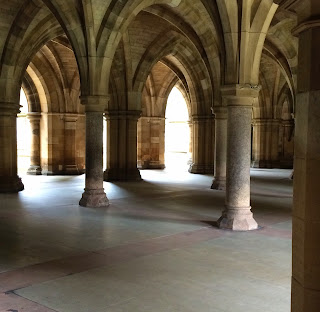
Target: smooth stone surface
{"points": [[154, 249]]}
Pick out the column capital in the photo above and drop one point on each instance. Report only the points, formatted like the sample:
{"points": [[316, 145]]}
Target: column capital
{"points": [[265, 121], [259, 121], [201, 118], [95, 103], [9, 108], [287, 123], [240, 94], [129, 114], [152, 118], [220, 112], [69, 117], [34, 116]]}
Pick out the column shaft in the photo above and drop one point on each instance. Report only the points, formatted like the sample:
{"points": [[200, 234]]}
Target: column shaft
{"points": [[237, 214], [306, 199], [35, 159], [220, 150], [70, 166], [9, 180], [94, 195]]}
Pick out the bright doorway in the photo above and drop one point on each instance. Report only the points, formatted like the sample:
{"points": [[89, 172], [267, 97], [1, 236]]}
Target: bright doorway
{"points": [[23, 136], [177, 133]]}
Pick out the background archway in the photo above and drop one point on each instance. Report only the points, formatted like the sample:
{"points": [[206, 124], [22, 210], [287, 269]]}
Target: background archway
{"points": [[177, 132], [23, 135]]}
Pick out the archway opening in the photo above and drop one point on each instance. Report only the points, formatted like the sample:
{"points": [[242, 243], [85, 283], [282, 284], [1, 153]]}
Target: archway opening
{"points": [[177, 132], [23, 136]]}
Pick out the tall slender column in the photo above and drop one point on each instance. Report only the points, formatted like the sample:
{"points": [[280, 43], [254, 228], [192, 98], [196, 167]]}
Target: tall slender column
{"points": [[35, 161], [220, 150], [94, 195], [306, 196], [9, 180], [70, 122], [237, 214]]}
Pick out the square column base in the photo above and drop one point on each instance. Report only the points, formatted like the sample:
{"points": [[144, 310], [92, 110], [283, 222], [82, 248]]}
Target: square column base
{"points": [[94, 199], [121, 174], [11, 184], [218, 184], [71, 170], [201, 169], [34, 170], [304, 299], [237, 219]]}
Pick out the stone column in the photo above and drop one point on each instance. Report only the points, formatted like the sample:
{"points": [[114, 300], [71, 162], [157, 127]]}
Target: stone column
{"points": [[35, 160], [122, 146], [220, 150], [202, 144], [9, 180], [70, 125], [94, 195], [237, 214], [306, 195]]}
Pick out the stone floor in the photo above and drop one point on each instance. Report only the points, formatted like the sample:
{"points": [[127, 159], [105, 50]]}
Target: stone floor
{"points": [[154, 249]]}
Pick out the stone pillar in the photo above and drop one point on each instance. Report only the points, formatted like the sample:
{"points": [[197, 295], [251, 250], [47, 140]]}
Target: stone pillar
{"points": [[35, 160], [9, 180], [237, 214], [151, 132], [122, 146], [220, 156], [306, 198], [202, 144], [70, 166], [94, 195]]}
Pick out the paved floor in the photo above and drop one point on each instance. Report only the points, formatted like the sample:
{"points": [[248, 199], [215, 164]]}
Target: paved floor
{"points": [[154, 249]]}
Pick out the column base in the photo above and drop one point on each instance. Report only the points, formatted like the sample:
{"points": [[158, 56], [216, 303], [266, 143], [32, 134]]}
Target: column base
{"points": [[201, 169], [237, 219], [304, 299], [34, 170], [71, 170], [218, 184], [11, 184], [150, 165], [121, 174], [286, 164], [94, 199]]}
